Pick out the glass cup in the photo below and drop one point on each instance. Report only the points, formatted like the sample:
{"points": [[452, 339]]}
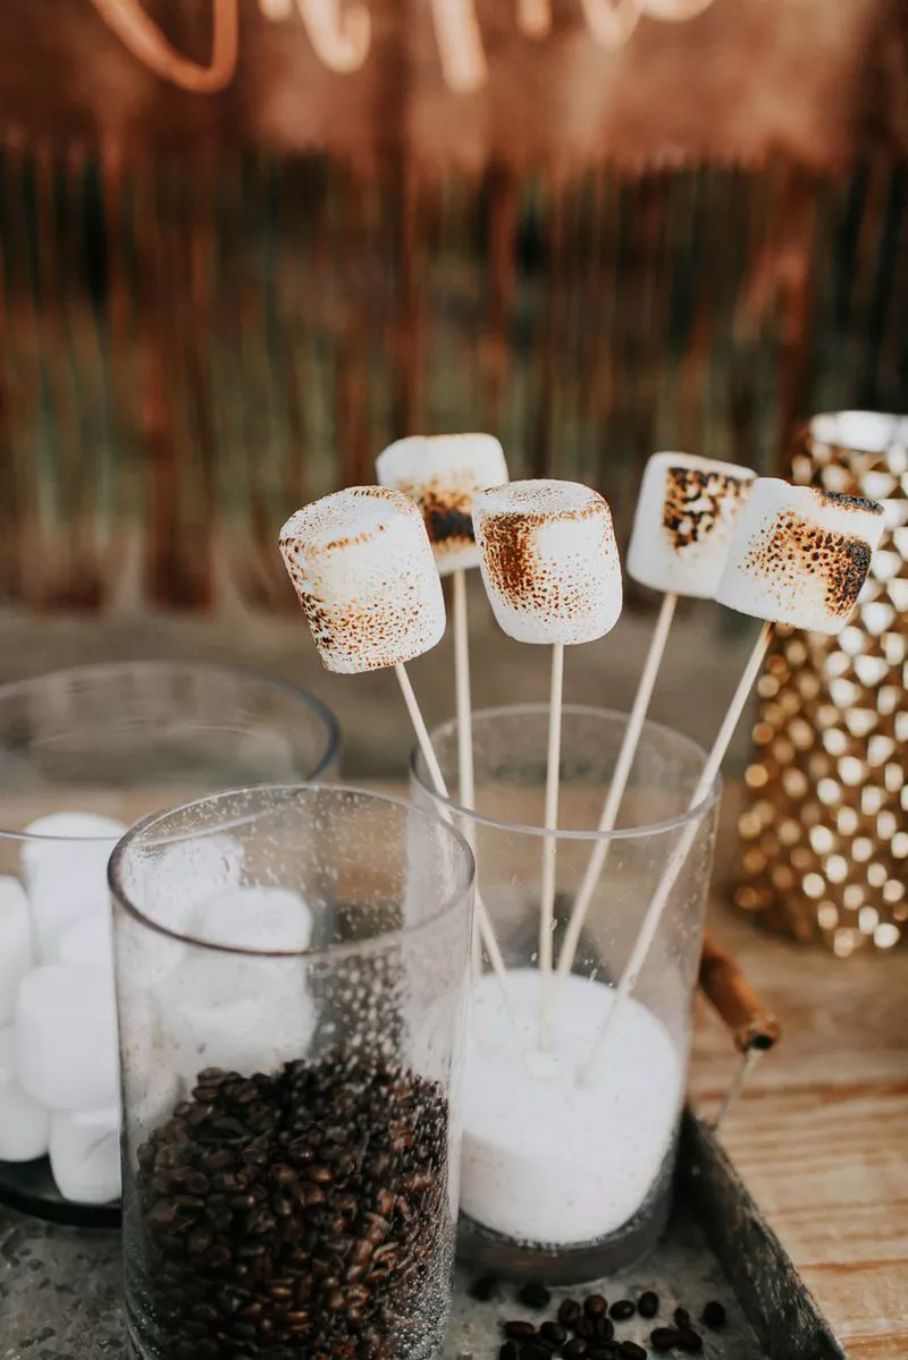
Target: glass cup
{"points": [[292, 977], [570, 1124], [83, 753]]}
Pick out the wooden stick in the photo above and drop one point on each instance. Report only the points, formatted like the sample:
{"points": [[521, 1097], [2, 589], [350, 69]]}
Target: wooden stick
{"points": [[550, 843], [745, 1067], [438, 783], [752, 1024], [466, 783], [623, 768], [654, 911]]}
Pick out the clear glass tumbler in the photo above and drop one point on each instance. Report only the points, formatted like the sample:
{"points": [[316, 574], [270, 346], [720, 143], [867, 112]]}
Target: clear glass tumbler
{"points": [[292, 977], [83, 753], [570, 1125]]}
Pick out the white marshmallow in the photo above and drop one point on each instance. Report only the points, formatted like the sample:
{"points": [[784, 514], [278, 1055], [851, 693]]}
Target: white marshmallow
{"points": [[549, 560], [24, 1124], [442, 473], [800, 555], [65, 871], [248, 1012], [88, 940], [258, 918], [15, 943], [185, 874], [85, 1155], [362, 565], [683, 523], [66, 1037]]}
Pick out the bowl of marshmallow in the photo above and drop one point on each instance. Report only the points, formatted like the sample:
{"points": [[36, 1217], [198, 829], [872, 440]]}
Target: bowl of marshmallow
{"points": [[83, 754]]}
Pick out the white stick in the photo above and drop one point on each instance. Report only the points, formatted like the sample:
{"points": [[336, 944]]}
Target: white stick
{"points": [[550, 843], [438, 783], [653, 916], [623, 767], [745, 1067], [466, 784]]}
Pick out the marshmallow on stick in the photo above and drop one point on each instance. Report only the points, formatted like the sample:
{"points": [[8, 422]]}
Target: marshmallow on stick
{"points": [[443, 473], [683, 524], [550, 566], [362, 567], [799, 556]]}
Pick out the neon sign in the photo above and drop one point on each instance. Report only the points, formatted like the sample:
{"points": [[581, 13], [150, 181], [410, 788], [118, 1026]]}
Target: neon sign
{"points": [[341, 34]]}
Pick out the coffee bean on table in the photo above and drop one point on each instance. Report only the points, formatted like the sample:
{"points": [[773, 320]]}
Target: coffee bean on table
{"points": [[629, 1350], [713, 1314], [518, 1330], [682, 1317], [575, 1349], [690, 1341], [623, 1309], [569, 1311], [648, 1304], [483, 1289], [553, 1332], [534, 1295], [594, 1305], [664, 1338]]}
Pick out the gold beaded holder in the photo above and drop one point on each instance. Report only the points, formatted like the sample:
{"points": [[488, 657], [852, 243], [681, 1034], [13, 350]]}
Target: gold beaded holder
{"points": [[824, 826]]}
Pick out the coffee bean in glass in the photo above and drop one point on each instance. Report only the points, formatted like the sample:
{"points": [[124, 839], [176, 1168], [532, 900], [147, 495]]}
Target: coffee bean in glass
{"points": [[323, 1246]]}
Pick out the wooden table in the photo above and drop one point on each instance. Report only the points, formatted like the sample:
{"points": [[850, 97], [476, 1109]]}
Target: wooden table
{"points": [[820, 1133]]}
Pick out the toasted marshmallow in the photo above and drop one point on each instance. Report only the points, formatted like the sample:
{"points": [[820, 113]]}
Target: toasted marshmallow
{"points": [[443, 473], [684, 520], [800, 555], [362, 566], [549, 560]]}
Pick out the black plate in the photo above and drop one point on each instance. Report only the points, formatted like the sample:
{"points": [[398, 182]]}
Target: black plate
{"points": [[30, 1188]]}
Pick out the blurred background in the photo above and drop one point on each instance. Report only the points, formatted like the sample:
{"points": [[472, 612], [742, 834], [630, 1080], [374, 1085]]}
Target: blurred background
{"points": [[245, 243]]}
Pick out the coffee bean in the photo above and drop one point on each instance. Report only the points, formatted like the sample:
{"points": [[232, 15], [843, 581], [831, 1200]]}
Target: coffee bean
{"points": [[534, 1295], [518, 1330], [298, 1209], [603, 1328], [575, 1349], [568, 1311], [534, 1350], [622, 1309], [554, 1333], [713, 1314], [508, 1351], [629, 1350], [603, 1350], [648, 1304], [664, 1338], [583, 1327], [690, 1341], [483, 1289], [682, 1317], [594, 1305]]}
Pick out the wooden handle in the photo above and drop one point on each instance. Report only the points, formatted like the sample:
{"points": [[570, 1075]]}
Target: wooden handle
{"points": [[752, 1024]]}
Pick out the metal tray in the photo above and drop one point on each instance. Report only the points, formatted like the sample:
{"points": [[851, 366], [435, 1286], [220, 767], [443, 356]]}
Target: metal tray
{"points": [[59, 1286]]}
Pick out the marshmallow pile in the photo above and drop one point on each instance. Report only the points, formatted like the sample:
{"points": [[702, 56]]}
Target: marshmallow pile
{"points": [[443, 473], [549, 561], [362, 566], [59, 1085]]}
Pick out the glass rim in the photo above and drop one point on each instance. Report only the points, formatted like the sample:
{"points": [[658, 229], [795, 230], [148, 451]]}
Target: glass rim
{"points": [[343, 948], [329, 721], [626, 833]]}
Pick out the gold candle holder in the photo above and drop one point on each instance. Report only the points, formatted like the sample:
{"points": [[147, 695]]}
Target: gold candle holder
{"points": [[824, 827]]}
